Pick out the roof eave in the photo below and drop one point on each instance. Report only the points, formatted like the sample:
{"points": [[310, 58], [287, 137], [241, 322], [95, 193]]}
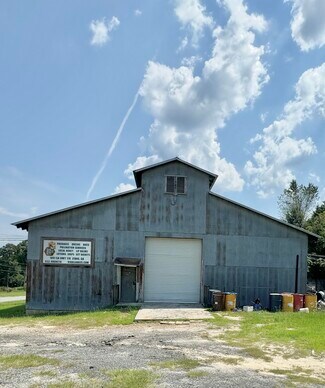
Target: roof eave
{"points": [[266, 215], [23, 224], [138, 173]]}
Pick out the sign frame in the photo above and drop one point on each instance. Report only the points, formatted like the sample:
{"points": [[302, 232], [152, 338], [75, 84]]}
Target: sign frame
{"points": [[69, 265]]}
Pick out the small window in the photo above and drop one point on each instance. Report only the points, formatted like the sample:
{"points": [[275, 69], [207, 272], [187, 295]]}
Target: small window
{"points": [[175, 184]]}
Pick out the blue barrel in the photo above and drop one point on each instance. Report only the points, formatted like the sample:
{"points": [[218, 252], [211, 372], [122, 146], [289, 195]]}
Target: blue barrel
{"points": [[275, 302]]}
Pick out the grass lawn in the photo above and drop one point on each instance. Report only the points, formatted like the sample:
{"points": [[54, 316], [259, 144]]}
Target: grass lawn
{"points": [[127, 378], [19, 291], [13, 313], [304, 332], [26, 361]]}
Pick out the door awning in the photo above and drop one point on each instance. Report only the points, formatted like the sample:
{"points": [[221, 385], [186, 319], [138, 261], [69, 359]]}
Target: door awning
{"points": [[127, 261]]}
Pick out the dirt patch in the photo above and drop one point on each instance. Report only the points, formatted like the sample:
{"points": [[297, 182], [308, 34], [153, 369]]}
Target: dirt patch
{"points": [[86, 356]]}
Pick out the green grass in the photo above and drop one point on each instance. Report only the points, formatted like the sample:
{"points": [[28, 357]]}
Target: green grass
{"points": [[46, 373], [19, 291], [183, 363], [194, 374], [220, 320], [229, 360], [61, 384], [13, 313], [26, 361], [303, 332], [127, 378], [12, 310], [256, 352], [298, 375]]}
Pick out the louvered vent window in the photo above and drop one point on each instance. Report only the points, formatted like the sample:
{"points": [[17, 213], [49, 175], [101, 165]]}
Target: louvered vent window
{"points": [[175, 184]]}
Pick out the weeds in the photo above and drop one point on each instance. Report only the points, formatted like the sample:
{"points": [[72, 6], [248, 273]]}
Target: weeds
{"points": [[122, 378], [183, 363], [26, 361], [13, 313], [306, 334]]}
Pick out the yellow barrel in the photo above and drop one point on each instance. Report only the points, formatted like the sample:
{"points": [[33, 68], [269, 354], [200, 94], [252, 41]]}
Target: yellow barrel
{"points": [[287, 303], [311, 302], [230, 301]]}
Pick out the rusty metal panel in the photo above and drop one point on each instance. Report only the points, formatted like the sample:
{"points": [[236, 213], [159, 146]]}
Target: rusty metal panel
{"points": [[128, 244], [161, 212], [128, 212], [69, 288], [94, 216], [28, 280], [242, 251]]}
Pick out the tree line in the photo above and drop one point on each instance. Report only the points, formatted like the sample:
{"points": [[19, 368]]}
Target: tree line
{"points": [[13, 264], [298, 206]]}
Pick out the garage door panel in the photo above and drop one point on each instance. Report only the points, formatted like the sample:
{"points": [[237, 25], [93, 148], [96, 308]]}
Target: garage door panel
{"points": [[172, 270]]}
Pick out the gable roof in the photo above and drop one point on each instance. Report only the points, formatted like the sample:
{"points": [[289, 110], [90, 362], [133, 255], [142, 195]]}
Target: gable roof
{"points": [[138, 173], [265, 215], [23, 224]]}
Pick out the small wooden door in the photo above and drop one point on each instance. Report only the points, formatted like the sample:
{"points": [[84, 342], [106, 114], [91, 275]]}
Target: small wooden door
{"points": [[128, 284]]}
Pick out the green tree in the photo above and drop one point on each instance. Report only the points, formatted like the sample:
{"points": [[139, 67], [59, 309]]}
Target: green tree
{"points": [[296, 203], [12, 264], [316, 224]]}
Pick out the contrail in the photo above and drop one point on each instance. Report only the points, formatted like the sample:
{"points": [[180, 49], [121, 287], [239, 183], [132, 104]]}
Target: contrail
{"points": [[113, 145]]}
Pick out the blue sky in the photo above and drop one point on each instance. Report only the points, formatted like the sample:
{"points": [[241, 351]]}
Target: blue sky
{"points": [[90, 91]]}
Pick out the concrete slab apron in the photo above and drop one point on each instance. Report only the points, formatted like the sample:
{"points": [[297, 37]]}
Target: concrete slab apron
{"points": [[167, 311], [4, 299]]}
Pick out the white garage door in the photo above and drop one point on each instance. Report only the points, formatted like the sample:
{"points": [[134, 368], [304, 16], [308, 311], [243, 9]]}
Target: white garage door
{"points": [[172, 270]]}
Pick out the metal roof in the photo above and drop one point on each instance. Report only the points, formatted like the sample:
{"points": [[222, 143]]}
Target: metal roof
{"points": [[24, 223], [127, 261], [138, 173], [265, 215]]}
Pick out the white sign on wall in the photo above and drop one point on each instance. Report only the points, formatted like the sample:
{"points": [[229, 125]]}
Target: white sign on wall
{"points": [[70, 252]]}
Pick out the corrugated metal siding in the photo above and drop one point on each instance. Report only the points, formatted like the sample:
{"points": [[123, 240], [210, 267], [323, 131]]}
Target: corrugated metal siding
{"points": [[128, 212], [161, 212], [242, 251], [57, 288], [251, 254]]}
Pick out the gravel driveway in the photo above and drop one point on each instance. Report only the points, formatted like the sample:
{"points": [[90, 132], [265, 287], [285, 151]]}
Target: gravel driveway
{"points": [[86, 354]]}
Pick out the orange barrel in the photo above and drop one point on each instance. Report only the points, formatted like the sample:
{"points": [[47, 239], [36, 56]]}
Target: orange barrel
{"points": [[298, 301], [311, 302], [230, 301], [287, 303]]}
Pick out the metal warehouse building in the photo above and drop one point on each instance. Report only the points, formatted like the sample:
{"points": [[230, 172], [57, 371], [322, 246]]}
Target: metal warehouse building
{"points": [[161, 242]]}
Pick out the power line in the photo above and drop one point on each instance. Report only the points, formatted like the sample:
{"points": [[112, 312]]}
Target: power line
{"points": [[12, 239]]}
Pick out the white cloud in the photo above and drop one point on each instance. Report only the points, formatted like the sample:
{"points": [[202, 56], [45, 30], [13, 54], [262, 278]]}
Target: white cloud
{"points": [[308, 23], [276, 157], [184, 43], [141, 161], [101, 29], [137, 12], [188, 109], [263, 116], [191, 61], [313, 177], [112, 146], [122, 187], [192, 15]]}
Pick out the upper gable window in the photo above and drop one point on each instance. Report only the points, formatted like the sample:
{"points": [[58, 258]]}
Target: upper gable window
{"points": [[175, 184]]}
